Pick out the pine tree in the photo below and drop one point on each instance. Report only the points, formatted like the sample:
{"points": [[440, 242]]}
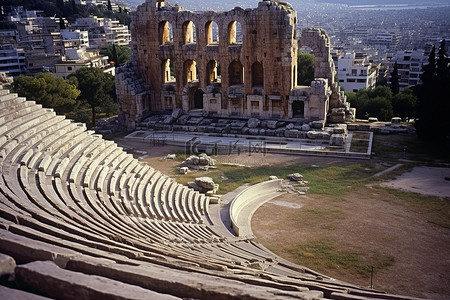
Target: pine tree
{"points": [[429, 71], [433, 96], [395, 86], [114, 51], [443, 90], [109, 5], [60, 4], [62, 24], [74, 7], [442, 63]]}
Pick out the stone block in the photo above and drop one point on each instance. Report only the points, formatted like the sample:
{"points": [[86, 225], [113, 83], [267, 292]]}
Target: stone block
{"points": [[293, 133], [295, 177], [48, 278], [337, 140], [253, 131], [7, 265], [271, 124], [317, 124], [253, 122]]}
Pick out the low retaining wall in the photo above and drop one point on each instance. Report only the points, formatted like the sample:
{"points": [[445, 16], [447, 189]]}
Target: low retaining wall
{"points": [[247, 202]]}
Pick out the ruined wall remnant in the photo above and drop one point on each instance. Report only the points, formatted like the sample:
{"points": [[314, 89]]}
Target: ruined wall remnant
{"points": [[240, 63]]}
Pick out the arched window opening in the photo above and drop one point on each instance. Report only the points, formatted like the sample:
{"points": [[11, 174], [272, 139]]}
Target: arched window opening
{"points": [[213, 72], [189, 32], [305, 66], [190, 71], [160, 3], [165, 33], [257, 75], [168, 71], [211, 33], [234, 33], [236, 73]]}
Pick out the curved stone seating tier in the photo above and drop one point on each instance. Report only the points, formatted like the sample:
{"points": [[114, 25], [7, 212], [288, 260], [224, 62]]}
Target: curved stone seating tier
{"points": [[79, 213], [245, 204]]}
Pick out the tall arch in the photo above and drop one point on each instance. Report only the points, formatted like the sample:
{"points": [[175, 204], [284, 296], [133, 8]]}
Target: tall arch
{"points": [[234, 33], [213, 72], [257, 75], [189, 71], [165, 32], [189, 33], [235, 73], [168, 71], [211, 33]]}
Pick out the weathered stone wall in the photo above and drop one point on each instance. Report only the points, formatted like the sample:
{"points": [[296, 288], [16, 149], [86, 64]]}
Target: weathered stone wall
{"points": [[250, 70]]}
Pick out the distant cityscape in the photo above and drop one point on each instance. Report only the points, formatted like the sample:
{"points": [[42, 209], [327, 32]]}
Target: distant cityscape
{"points": [[367, 37]]}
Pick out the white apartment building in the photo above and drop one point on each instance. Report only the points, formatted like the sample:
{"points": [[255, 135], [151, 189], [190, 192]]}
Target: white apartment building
{"points": [[74, 39], [355, 72], [78, 58], [409, 65], [103, 31], [12, 60], [116, 33], [384, 39]]}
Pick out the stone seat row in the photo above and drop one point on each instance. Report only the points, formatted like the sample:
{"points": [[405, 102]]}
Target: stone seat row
{"points": [[69, 197], [49, 163]]}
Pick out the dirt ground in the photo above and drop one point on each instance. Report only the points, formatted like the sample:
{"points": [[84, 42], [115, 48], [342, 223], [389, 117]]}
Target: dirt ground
{"points": [[368, 220], [424, 180]]}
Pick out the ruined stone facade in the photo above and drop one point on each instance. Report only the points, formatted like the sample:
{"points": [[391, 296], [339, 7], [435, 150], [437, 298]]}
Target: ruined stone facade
{"points": [[239, 63]]}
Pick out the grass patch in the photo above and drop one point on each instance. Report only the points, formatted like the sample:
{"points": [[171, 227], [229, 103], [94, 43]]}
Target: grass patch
{"points": [[389, 147], [322, 255], [359, 146], [332, 180]]}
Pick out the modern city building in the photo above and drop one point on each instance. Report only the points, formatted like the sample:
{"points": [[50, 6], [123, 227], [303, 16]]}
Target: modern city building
{"points": [[409, 65], [355, 72], [12, 60]]}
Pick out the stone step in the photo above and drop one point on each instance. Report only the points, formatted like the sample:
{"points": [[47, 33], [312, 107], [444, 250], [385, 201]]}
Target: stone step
{"points": [[47, 278], [12, 294]]}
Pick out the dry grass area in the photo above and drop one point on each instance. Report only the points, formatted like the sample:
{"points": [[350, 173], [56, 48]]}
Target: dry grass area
{"points": [[405, 238], [347, 223]]}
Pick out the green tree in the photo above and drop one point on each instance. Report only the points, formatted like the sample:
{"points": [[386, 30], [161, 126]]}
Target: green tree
{"points": [[114, 53], [121, 56], [381, 108], [404, 104], [379, 91], [395, 86], [305, 69], [48, 90], [362, 101], [97, 89], [109, 6], [433, 97], [62, 24]]}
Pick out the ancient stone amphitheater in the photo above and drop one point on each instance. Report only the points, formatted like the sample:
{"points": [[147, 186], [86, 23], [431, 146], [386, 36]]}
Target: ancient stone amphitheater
{"points": [[82, 219]]}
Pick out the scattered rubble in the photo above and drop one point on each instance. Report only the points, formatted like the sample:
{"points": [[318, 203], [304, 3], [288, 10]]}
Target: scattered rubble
{"points": [[204, 185], [200, 162], [295, 177]]}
